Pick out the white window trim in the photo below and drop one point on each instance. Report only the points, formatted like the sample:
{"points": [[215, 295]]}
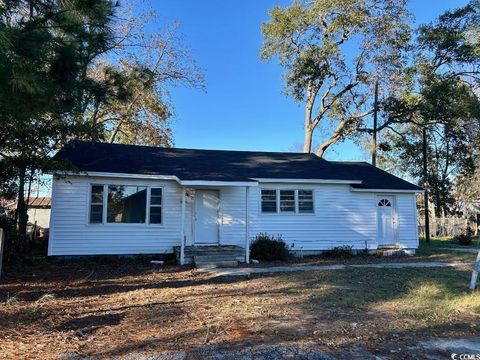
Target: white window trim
{"points": [[105, 205], [285, 213]]}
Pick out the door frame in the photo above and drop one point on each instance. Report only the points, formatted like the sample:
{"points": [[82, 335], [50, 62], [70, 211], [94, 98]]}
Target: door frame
{"points": [[219, 217], [393, 200]]}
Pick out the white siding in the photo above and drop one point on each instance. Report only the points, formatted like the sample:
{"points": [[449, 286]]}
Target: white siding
{"points": [[341, 217], [407, 220], [72, 234]]}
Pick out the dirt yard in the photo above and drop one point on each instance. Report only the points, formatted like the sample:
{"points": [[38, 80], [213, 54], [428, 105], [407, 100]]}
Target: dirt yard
{"points": [[118, 307]]}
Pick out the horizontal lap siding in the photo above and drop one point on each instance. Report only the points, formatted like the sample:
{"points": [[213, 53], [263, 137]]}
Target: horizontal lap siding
{"points": [[72, 235], [407, 220], [233, 216], [341, 218]]}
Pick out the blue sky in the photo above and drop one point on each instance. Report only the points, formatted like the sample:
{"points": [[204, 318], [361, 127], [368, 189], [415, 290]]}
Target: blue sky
{"points": [[243, 107]]}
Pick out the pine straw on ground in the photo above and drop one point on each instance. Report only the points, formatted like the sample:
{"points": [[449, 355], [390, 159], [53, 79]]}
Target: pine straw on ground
{"points": [[120, 306]]}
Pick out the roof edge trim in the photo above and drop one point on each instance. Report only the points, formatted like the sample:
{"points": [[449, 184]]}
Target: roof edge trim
{"points": [[310, 181], [388, 190]]}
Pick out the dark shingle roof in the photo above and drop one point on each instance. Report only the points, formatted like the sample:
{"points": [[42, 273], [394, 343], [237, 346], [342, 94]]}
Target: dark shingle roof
{"points": [[221, 165]]}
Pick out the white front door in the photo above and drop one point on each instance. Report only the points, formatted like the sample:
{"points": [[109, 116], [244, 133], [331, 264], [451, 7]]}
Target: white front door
{"points": [[206, 217], [386, 220]]}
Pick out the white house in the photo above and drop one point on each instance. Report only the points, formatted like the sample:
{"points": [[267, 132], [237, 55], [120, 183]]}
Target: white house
{"points": [[126, 199]]}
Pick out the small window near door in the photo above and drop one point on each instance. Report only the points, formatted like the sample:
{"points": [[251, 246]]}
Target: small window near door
{"points": [[96, 204], [269, 201], [384, 202], [155, 205]]}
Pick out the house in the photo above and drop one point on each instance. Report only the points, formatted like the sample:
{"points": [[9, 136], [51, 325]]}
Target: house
{"points": [[38, 210], [127, 199]]}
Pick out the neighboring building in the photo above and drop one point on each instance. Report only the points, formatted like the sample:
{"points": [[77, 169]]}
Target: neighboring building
{"points": [[136, 199], [38, 210]]}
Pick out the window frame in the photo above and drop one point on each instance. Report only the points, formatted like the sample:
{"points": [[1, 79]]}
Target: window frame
{"points": [[279, 196], [149, 205], [276, 201], [105, 205], [296, 202]]}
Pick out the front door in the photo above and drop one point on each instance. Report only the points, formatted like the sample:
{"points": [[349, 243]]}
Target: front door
{"points": [[206, 217], [386, 220]]}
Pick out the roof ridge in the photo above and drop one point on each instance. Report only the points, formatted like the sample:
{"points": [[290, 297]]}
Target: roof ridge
{"points": [[196, 149]]}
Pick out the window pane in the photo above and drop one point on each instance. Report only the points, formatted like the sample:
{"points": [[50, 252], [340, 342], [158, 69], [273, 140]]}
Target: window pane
{"points": [[126, 204], [269, 201], [305, 206], [305, 201], [96, 204], [156, 192], [155, 215], [269, 195], [155, 200], [97, 189], [96, 214], [287, 200], [269, 207]]}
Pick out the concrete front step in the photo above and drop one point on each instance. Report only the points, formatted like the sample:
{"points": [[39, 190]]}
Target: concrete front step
{"points": [[396, 252], [212, 254], [388, 247], [217, 257], [216, 264]]}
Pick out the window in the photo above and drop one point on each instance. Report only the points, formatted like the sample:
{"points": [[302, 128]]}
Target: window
{"points": [[269, 201], [305, 201], [287, 201], [96, 204], [155, 206], [126, 204], [384, 202]]}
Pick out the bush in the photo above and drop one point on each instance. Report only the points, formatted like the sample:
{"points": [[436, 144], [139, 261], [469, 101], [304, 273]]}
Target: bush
{"points": [[269, 248], [464, 239], [339, 252]]}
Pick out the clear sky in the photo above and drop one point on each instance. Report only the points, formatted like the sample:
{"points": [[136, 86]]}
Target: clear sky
{"points": [[243, 107]]}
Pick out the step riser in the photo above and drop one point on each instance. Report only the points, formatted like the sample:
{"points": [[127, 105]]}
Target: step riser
{"points": [[211, 256], [218, 264], [216, 257]]}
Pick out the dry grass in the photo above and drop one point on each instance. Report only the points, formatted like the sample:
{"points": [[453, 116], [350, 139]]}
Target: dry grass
{"points": [[113, 308]]}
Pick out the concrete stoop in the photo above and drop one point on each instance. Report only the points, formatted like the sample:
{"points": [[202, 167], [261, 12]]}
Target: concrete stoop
{"points": [[212, 256], [393, 250]]}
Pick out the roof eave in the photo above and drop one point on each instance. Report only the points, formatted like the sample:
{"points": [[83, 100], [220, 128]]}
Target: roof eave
{"points": [[421, 191]]}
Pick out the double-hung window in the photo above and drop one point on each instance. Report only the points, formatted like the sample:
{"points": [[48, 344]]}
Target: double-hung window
{"points": [[305, 201], [287, 201], [96, 204], [125, 204], [155, 206], [269, 201]]}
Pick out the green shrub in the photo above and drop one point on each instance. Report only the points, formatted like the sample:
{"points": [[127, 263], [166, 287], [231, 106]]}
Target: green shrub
{"points": [[339, 252], [464, 239], [269, 248]]}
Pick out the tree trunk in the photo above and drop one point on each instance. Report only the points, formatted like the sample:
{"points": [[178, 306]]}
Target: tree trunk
{"points": [[425, 185], [22, 209], [375, 125], [307, 143]]}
